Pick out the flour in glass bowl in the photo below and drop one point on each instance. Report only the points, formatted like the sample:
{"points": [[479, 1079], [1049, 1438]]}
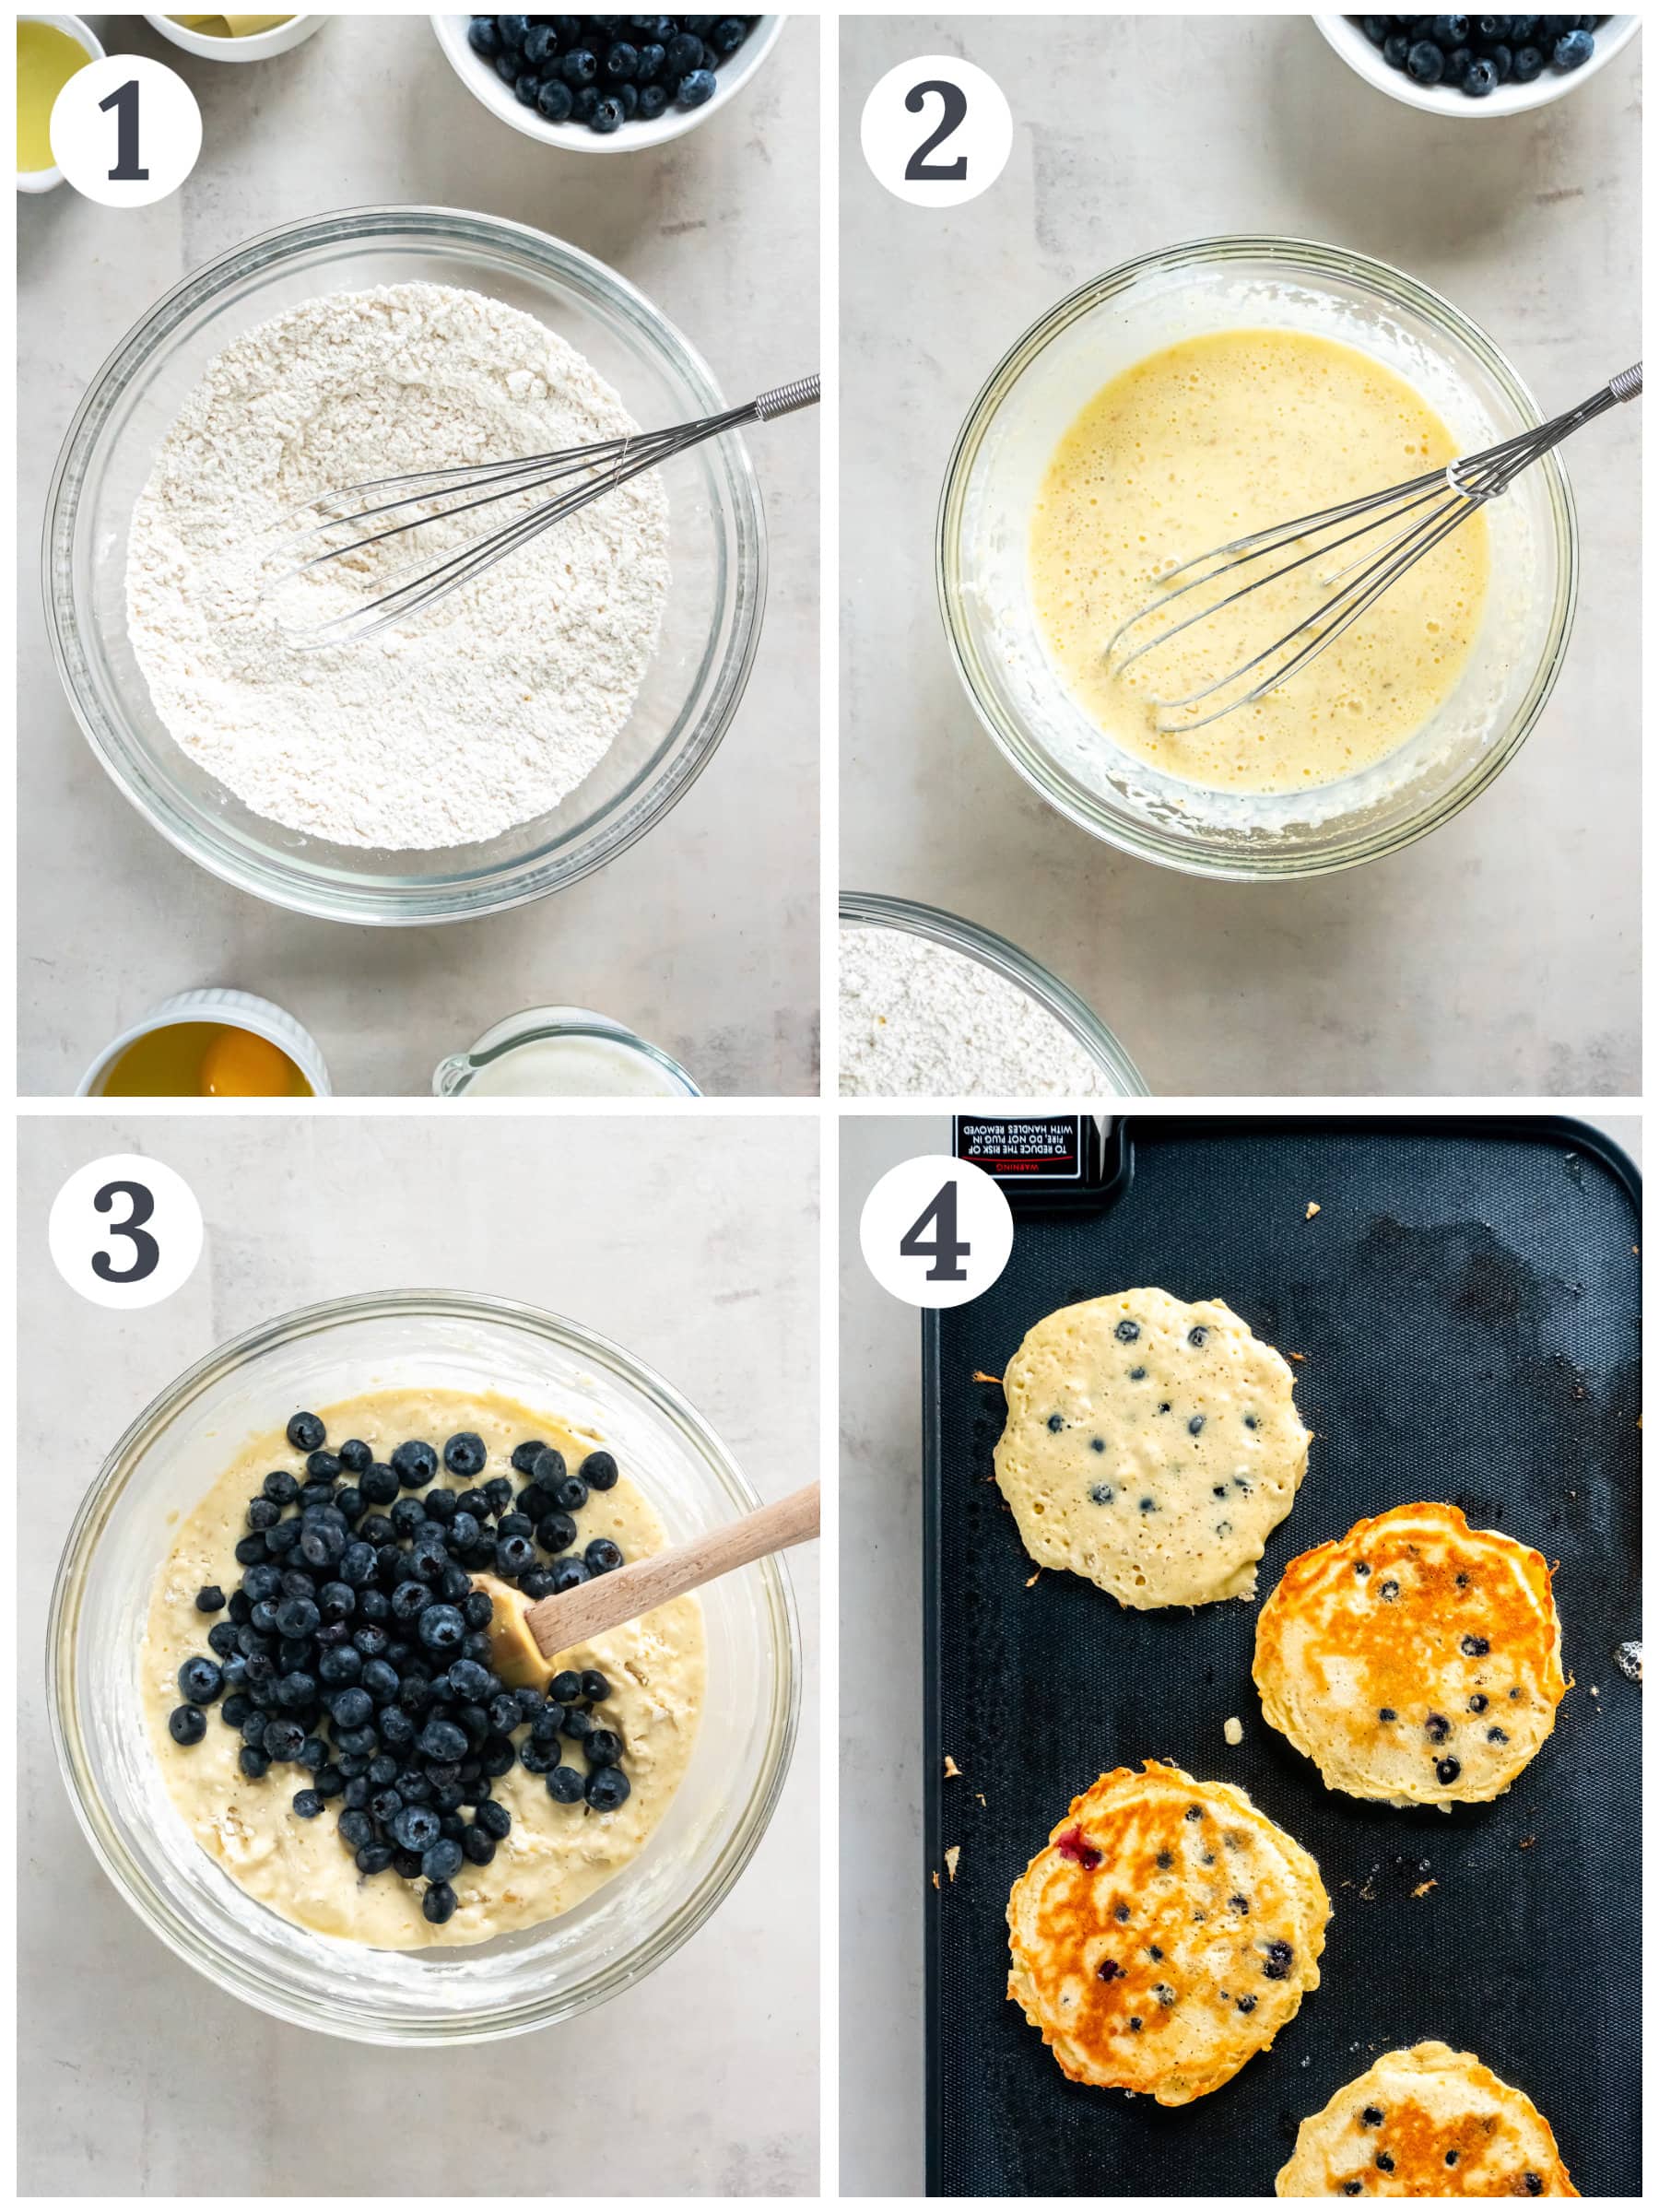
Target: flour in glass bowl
{"points": [[920, 1019], [479, 714]]}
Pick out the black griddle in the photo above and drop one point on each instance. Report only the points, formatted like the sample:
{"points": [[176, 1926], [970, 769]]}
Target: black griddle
{"points": [[1467, 1303]]}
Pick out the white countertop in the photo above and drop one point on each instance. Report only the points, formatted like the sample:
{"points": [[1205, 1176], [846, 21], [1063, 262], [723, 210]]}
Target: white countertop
{"points": [[882, 1871], [1497, 956], [704, 936], [692, 1241]]}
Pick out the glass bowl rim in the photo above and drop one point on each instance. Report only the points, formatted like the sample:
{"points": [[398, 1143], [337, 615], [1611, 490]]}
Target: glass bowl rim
{"points": [[253, 1984], [879, 910], [270, 878], [1032, 763]]}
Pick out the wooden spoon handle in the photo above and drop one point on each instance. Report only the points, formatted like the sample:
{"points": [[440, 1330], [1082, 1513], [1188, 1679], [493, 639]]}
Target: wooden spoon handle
{"points": [[578, 1616]]}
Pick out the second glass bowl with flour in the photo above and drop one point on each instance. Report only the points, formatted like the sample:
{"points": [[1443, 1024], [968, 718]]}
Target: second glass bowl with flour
{"points": [[1164, 410], [512, 738]]}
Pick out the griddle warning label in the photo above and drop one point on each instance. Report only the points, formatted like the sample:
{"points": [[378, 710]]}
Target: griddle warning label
{"points": [[1050, 1148]]}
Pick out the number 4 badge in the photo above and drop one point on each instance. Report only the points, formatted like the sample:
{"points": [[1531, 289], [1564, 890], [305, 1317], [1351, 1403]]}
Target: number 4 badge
{"points": [[936, 1231]]}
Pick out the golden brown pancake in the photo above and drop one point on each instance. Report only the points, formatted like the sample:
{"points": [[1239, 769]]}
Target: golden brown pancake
{"points": [[1417, 1661], [1428, 2121], [1164, 1934]]}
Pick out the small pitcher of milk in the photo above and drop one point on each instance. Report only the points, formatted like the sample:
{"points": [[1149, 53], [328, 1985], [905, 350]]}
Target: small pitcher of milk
{"points": [[561, 1052]]}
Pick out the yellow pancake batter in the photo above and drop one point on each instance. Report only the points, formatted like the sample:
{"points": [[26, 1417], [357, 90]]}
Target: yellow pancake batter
{"points": [[555, 1854], [1196, 445]]}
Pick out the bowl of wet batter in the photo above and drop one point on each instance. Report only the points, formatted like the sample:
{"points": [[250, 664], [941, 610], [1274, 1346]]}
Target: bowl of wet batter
{"points": [[588, 1884], [1172, 406]]}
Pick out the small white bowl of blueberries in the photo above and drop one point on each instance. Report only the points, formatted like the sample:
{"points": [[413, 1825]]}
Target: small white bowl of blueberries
{"points": [[1478, 67], [605, 84]]}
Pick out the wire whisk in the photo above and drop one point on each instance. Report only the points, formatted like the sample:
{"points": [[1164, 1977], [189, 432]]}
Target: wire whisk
{"points": [[407, 504], [1440, 499]]}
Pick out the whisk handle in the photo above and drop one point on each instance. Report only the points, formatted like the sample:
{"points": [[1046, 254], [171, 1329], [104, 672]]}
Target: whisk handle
{"points": [[1627, 384], [803, 393]]}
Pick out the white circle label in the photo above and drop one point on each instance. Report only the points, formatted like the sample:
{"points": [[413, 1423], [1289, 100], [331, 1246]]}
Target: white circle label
{"points": [[937, 131], [125, 131], [936, 1231], [125, 1231]]}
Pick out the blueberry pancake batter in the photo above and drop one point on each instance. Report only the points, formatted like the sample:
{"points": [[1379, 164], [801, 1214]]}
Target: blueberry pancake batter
{"points": [[311, 1833], [1150, 1445], [1197, 445]]}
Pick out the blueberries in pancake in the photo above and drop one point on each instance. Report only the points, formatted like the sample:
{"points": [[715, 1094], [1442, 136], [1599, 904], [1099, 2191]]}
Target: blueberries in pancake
{"points": [[1476, 1647], [1478, 1703], [1276, 1966], [1199, 1335], [1447, 1770], [1128, 1330], [1370, 2117], [1056, 1422], [1438, 1727]]}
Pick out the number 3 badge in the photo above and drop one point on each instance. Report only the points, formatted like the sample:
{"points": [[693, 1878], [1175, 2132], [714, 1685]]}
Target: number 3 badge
{"points": [[936, 1231], [125, 1231], [937, 131]]}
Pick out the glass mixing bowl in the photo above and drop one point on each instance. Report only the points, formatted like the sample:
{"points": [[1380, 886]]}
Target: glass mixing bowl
{"points": [[871, 909], [710, 626], [167, 1462], [1000, 460]]}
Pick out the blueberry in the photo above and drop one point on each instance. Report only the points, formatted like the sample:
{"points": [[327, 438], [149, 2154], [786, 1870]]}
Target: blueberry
{"points": [[514, 1554], [554, 100], [210, 1598], [1396, 47], [1361, 1568], [541, 43], [1388, 1592], [1374, 27], [308, 1804], [1447, 1770], [594, 1687], [1448, 31], [1148, 1506], [1199, 1335], [1247, 2004], [254, 1762], [464, 1455], [607, 1788], [567, 1574], [280, 1487], [187, 1725], [1503, 59], [1195, 1426], [200, 1681], [442, 1859], [1276, 1966], [483, 37], [1387, 1713], [1426, 62], [579, 1725], [1528, 64], [547, 1469], [566, 1688], [306, 1432], [441, 1740], [525, 1456], [1496, 1736], [379, 1484], [621, 63], [1479, 78], [1437, 1727], [683, 53], [416, 1827], [513, 29], [1574, 50], [297, 1618], [1127, 1331], [351, 1708], [415, 1464], [569, 1493], [438, 1903], [727, 35], [603, 1557], [696, 86], [1474, 1647], [580, 67], [602, 1748], [1056, 1422], [1371, 2116], [442, 1629]]}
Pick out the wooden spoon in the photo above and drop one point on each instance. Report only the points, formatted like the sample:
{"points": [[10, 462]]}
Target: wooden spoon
{"points": [[525, 1638]]}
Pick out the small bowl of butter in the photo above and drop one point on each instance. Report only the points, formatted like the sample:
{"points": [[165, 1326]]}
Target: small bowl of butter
{"points": [[236, 38], [51, 49]]}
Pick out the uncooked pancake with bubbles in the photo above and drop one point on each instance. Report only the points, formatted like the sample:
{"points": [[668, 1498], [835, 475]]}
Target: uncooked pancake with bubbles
{"points": [[1417, 1661], [1151, 1445], [1428, 2121], [1164, 1934]]}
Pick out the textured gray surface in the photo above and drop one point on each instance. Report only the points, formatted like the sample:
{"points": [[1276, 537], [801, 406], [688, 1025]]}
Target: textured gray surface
{"points": [[704, 938], [692, 1241], [881, 1866], [1498, 956]]}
